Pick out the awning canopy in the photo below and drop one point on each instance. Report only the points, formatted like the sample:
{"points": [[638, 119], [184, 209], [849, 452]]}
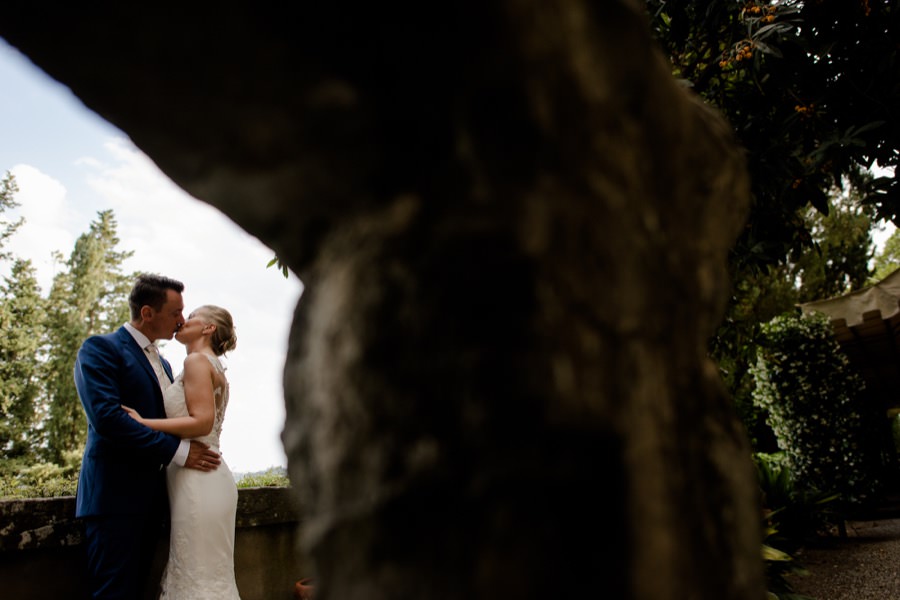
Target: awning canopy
{"points": [[867, 325]]}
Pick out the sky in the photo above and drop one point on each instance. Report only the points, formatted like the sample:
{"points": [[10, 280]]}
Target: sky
{"points": [[70, 164]]}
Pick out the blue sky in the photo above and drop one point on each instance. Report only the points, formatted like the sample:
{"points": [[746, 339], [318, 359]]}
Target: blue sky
{"points": [[70, 164]]}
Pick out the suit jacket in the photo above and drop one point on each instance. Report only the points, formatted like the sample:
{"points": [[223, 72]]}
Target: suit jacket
{"points": [[123, 468]]}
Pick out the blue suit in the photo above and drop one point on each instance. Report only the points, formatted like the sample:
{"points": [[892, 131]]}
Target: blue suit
{"points": [[122, 487]]}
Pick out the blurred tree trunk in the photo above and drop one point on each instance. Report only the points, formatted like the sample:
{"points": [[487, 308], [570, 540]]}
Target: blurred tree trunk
{"points": [[512, 224]]}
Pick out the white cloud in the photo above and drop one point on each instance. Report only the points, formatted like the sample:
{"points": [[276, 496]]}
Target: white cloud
{"points": [[48, 221]]}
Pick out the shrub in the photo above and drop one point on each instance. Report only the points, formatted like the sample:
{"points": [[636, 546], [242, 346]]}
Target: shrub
{"points": [[814, 403], [794, 516], [790, 518], [20, 479], [272, 477]]}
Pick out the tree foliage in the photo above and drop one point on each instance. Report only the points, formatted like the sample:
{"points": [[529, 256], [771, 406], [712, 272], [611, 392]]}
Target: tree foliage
{"points": [[809, 87], [41, 418], [21, 331], [842, 248], [836, 262], [810, 90], [88, 297], [888, 260], [22, 321], [8, 189]]}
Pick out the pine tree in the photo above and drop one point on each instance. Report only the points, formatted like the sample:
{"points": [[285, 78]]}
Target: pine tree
{"points": [[21, 320], [21, 334], [8, 189], [89, 297]]}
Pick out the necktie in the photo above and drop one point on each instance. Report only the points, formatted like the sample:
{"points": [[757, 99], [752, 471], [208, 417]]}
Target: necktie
{"points": [[156, 363]]}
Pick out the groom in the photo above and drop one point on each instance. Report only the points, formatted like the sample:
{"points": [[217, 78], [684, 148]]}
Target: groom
{"points": [[122, 485]]}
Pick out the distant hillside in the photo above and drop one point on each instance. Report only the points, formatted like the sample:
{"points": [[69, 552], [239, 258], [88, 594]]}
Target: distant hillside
{"points": [[271, 477]]}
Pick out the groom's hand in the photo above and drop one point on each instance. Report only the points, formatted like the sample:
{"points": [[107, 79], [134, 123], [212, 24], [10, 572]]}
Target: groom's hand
{"points": [[200, 457]]}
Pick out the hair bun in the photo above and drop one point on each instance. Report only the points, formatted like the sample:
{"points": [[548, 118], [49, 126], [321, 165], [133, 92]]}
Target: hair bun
{"points": [[224, 338]]}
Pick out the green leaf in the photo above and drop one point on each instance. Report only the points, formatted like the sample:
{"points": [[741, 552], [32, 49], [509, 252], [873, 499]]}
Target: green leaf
{"points": [[770, 553], [767, 49]]}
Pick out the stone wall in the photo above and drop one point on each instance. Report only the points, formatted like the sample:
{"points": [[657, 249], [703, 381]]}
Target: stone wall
{"points": [[40, 547]]}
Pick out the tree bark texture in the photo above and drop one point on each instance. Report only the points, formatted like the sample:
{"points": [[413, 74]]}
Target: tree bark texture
{"points": [[512, 224]]}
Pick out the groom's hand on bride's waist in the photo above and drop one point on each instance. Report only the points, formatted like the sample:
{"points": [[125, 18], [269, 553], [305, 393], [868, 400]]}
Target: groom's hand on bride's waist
{"points": [[200, 457]]}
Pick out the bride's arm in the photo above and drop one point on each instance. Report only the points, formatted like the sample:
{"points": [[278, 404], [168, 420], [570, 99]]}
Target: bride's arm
{"points": [[198, 396]]}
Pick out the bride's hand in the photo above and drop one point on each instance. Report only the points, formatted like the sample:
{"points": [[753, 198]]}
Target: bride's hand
{"points": [[133, 413]]}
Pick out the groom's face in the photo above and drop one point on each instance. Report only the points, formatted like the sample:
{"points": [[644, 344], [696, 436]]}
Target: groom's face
{"points": [[169, 318]]}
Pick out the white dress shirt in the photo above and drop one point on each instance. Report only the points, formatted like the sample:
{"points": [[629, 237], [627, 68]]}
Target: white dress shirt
{"points": [[155, 360]]}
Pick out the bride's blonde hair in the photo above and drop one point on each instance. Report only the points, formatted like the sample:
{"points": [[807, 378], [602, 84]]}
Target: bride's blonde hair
{"points": [[223, 338]]}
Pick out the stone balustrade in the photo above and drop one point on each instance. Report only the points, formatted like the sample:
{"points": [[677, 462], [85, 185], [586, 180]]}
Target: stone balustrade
{"points": [[41, 558]]}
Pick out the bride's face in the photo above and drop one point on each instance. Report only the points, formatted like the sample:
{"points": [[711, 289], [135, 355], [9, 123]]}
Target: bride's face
{"points": [[194, 328]]}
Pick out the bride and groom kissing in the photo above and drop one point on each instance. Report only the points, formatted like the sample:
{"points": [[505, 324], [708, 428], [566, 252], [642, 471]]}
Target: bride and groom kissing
{"points": [[152, 450]]}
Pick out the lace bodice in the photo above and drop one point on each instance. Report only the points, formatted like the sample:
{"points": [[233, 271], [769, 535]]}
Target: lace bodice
{"points": [[177, 407]]}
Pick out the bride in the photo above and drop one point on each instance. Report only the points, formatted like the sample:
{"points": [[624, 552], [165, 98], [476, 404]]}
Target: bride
{"points": [[202, 504]]}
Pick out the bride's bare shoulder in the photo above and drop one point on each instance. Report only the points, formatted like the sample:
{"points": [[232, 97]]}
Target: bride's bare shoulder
{"points": [[198, 362]]}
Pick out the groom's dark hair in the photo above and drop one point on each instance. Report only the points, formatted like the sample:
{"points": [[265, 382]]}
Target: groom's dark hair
{"points": [[151, 290]]}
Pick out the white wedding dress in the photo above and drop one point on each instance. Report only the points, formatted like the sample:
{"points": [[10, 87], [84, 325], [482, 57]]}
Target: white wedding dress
{"points": [[202, 506]]}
